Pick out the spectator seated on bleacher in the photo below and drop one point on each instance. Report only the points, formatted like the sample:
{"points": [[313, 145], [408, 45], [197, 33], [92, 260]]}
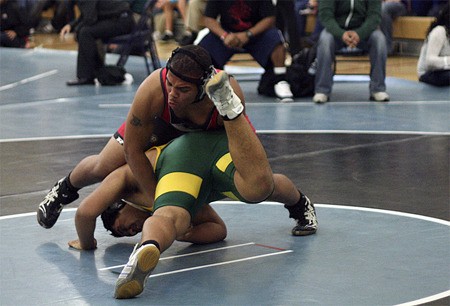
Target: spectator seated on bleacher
{"points": [[99, 20], [248, 26], [353, 24], [13, 25], [434, 61]]}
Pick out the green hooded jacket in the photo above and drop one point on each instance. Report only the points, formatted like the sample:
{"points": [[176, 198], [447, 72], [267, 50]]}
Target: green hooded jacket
{"points": [[361, 16]]}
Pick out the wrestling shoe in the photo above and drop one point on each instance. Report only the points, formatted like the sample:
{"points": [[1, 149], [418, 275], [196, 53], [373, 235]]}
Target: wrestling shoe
{"points": [[134, 275], [220, 92], [305, 215], [50, 208]]}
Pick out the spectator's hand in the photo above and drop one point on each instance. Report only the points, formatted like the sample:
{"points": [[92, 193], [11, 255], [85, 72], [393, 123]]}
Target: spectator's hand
{"points": [[77, 245], [11, 34], [243, 39], [65, 30], [232, 41], [351, 38], [314, 6]]}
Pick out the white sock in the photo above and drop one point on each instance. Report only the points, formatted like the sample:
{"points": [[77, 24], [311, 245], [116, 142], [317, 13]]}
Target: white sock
{"points": [[279, 70]]}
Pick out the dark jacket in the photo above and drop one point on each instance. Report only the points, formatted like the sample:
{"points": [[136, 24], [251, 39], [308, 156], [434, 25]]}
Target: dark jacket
{"points": [[339, 16], [13, 18], [91, 11]]}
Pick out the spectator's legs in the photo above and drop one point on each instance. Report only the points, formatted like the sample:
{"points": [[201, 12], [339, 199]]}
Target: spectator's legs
{"points": [[17, 42], [194, 20], [325, 55], [300, 19], [389, 12], [168, 14], [436, 78], [287, 23], [378, 57], [220, 54], [88, 56]]}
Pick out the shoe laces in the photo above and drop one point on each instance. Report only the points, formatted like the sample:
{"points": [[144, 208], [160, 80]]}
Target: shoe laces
{"points": [[310, 217], [52, 194], [224, 92], [127, 269]]}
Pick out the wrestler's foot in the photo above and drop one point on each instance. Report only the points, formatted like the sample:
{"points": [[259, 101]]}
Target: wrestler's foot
{"points": [[220, 92], [305, 215], [50, 208], [131, 281]]}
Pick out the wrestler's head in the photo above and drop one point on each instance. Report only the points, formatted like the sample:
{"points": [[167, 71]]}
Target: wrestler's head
{"points": [[124, 220], [191, 64]]}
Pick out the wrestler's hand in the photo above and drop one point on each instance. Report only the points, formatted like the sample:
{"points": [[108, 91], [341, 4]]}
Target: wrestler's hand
{"points": [[75, 244]]}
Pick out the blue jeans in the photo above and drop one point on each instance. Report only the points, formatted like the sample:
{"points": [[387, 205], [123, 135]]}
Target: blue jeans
{"points": [[389, 12], [327, 46]]}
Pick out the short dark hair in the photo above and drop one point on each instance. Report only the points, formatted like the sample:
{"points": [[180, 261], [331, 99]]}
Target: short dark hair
{"points": [[192, 62], [109, 216]]}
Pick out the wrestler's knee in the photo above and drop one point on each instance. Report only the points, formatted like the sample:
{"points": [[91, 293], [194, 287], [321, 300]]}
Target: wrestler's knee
{"points": [[258, 190]]}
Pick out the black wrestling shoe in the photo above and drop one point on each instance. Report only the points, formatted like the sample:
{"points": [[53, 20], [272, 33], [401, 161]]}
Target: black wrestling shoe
{"points": [[305, 215], [50, 208]]}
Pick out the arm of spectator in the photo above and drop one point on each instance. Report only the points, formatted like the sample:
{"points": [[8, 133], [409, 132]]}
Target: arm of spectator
{"points": [[372, 21], [327, 18], [436, 40], [65, 30], [229, 39], [260, 27]]}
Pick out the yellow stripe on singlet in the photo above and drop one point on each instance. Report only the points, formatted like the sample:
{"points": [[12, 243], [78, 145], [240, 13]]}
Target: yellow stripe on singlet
{"points": [[223, 162], [179, 181], [230, 195]]}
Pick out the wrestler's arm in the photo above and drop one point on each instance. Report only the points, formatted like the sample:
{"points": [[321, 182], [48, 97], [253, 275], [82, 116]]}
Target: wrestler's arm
{"points": [[147, 104], [207, 227], [119, 184]]}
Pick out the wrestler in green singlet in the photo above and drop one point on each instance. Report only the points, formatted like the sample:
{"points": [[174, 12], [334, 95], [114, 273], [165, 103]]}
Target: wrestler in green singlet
{"points": [[194, 169]]}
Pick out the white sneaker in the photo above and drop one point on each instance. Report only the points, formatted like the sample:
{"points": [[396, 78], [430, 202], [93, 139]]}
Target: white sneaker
{"points": [[48, 28], [220, 92], [379, 96], [320, 98], [134, 275], [283, 92], [128, 79]]}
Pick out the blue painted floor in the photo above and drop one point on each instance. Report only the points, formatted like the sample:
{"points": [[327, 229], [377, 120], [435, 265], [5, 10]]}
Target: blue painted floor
{"points": [[379, 173]]}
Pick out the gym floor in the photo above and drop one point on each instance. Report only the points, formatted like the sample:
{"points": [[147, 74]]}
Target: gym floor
{"points": [[378, 173]]}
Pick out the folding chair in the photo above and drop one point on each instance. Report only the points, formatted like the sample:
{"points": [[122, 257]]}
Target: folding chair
{"points": [[141, 38]]}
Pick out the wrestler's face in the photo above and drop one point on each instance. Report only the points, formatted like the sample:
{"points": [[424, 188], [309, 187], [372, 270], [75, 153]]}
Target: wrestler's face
{"points": [[128, 223], [180, 93]]}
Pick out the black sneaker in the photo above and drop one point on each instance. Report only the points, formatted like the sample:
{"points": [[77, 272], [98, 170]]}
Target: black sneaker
{"points": [[188, 39], [167, 37], [305, 215], [51, 206]]}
